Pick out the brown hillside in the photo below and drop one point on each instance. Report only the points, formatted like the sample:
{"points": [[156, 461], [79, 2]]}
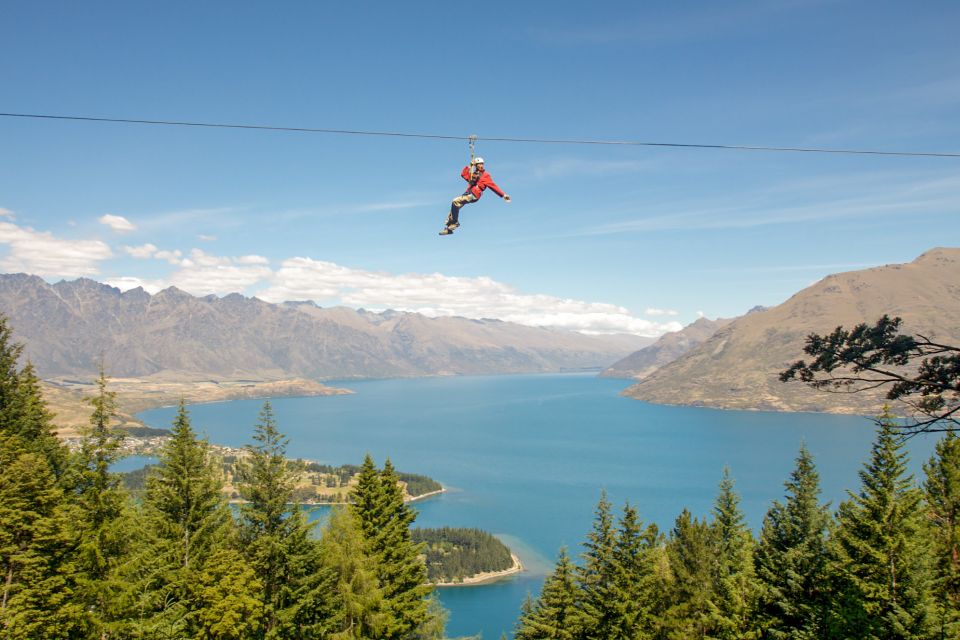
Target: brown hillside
{"points": [[737, 367], [669, 347]]}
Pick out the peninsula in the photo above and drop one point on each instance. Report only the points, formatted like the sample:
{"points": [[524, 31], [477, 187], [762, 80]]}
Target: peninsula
{"points": [[458, 557]]}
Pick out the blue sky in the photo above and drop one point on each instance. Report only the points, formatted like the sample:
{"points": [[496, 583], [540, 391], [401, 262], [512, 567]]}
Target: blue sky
{"points": [[598, 238]]}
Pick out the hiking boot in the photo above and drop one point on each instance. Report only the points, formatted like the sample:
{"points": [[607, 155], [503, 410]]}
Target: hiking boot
{"points": [[453, 225], [446, 231]]}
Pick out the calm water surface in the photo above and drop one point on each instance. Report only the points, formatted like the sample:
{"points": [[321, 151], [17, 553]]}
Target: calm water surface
{"points": [[526, 457]]}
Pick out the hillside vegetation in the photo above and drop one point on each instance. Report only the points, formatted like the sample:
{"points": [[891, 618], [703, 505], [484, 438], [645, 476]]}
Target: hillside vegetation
{"points": [[453, 554]]}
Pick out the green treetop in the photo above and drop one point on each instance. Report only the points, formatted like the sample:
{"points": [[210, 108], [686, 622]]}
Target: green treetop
{"points": [[37, 536], [735, 586], [274, 532], [692, 612], [791, 559], [596, 575], [879, 551], [185, 524], [104, 520], [942, 489], [357, 598], [554, 615], [385, 521]]}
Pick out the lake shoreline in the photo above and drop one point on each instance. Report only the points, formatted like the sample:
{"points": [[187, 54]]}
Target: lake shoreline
{"points": [[486, 577], [429, 494]]}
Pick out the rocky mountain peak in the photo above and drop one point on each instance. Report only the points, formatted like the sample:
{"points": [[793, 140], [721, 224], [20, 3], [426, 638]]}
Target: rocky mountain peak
{"points": [[67, 328]]}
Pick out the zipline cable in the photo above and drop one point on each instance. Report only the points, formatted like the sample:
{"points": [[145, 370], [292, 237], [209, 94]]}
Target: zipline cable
{"points": [[474, 138]]}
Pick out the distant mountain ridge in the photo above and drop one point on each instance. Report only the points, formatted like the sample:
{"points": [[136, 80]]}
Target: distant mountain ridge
{"points": [[738, 366], [69, 326], [668, 348]]}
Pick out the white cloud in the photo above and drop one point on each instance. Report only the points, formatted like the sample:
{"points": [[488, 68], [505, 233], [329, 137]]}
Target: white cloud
{"points": [[173, 257], [220, 279], [202, 273], [436, 294], [660, 312], [117, 223], [440, 295], [40, 253], [206, 238], [125, 283], [142, 252], [6, 213]]}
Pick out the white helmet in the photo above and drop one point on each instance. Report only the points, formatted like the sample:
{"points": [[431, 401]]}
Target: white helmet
{"points": [[478, 160]]}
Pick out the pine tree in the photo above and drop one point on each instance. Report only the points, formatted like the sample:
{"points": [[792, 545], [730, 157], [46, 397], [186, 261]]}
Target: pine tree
{"points": [[634, 577], [661, 582], [367, 499], [10, 395], [274, 532], [554, 614], [28, 424], [184, 495], [596, 576], [356, 598], [228, 606], [103, 517], [385, 521], [942, 489], [734, 581], [185, 523], [36, 541], [403, 574], [791, 559], [37, 537], [692, 612], [879, 551]]}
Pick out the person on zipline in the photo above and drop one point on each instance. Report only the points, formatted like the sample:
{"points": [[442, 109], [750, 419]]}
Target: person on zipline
{"points": [[478, 180]]}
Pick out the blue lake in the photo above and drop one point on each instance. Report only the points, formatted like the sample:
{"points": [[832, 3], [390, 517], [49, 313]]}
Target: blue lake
{"points": [[132, 463], [526, 457]]}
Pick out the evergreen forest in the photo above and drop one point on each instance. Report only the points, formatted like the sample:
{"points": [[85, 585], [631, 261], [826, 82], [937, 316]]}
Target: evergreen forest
{"points": [[884, 566], [453, 554], [80, 558]]}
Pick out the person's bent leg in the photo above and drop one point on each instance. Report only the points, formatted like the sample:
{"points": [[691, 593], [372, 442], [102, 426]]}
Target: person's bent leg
{"points": [[456, 205], [454, 211]]}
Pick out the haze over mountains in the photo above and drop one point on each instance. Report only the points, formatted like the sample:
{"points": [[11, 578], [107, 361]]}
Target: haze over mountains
{"points": [[737, 367], [668, 348], [68, 326]]}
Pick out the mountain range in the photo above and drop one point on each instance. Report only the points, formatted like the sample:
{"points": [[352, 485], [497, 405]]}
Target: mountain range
{"points": [[68, 327], [668, 348], [737, 367]]}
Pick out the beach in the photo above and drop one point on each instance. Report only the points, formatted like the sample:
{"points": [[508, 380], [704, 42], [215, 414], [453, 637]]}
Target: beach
{"points": [[486, 576]]}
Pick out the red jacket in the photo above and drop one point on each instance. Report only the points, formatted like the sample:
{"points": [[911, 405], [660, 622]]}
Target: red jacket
{"points": [[478, 184]]}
